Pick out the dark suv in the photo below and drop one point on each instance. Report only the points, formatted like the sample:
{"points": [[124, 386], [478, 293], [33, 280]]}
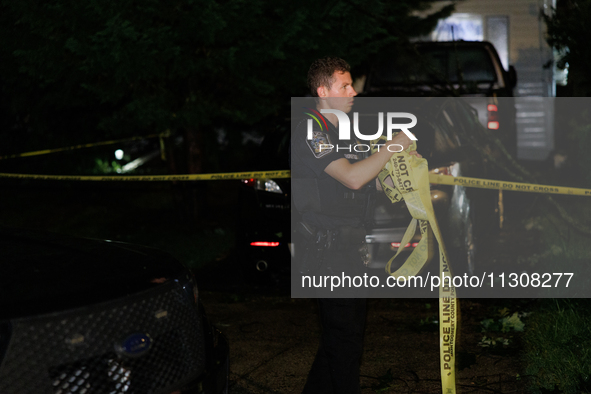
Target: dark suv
{"points": [[468, 69], [85, 316]]}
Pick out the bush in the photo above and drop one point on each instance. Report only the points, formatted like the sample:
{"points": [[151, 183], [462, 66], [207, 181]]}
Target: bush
{"points": [[558, 347]]}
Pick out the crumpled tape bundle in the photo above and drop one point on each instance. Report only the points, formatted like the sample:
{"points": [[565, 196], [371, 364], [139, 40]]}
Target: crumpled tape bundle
{"points": [[410, 180]]}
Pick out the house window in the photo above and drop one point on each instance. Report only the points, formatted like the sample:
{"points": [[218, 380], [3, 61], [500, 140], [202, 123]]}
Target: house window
{"points": [[467, 27]]}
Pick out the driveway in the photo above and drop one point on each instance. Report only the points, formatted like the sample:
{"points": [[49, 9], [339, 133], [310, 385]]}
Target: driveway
{"points": [[273, 338], [273, 341]]}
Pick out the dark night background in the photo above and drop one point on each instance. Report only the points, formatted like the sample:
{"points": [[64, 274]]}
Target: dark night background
{"points": [[219, 75]]}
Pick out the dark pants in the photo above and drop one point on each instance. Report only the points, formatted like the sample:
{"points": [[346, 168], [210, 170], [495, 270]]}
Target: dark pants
{"points": [[336, 367], [342, 318]]}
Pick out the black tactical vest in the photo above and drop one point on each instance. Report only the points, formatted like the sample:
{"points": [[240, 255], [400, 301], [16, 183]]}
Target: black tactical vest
{"points": [[325, 195]]}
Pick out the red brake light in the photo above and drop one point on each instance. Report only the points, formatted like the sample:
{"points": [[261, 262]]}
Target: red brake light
{"points": [[408, 245], [493, 117], [271, 244], [249, 182]]}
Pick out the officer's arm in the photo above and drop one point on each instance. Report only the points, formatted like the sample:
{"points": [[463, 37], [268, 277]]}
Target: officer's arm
{"points": [[355, 175]]}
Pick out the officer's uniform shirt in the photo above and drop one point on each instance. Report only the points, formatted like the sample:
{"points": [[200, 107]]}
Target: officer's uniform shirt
{"points": [[322, 200]]}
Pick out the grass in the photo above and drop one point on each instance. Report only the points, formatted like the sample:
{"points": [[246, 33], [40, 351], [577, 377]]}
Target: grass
{"points": [[558, 347], [557, 337]]}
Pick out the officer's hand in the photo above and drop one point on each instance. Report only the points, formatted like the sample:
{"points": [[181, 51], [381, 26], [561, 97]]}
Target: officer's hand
{"points": [[402, 139]]}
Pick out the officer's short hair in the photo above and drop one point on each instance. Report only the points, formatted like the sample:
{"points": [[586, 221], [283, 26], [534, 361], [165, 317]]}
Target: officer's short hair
{"points": [[322, 70]]}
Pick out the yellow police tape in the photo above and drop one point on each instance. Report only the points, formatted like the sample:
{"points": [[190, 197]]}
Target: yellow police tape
{"points": [[433, 178], [154, 178], [503, 185], [409, 176], [67, 148]]}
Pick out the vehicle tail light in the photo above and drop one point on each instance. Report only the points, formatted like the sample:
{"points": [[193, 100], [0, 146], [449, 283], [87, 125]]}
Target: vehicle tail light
{"points": [[268, 185], [261, 243], [408, 245], [493, 117]]}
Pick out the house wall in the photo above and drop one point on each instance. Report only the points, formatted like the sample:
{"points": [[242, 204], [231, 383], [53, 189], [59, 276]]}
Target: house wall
{"points": [[532, 58]]}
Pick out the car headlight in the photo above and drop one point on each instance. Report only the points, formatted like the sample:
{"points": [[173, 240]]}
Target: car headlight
{"points": [[268, 185]]}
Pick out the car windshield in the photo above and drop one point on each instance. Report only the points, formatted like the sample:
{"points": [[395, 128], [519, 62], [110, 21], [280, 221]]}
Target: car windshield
{"points": [[441, 64]]}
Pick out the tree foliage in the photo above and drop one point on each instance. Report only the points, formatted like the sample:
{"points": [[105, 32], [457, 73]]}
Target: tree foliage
{"points": [[74, 70], [568, 32]]}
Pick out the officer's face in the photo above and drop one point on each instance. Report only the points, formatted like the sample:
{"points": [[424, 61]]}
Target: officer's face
{"points": [[341, 93]]}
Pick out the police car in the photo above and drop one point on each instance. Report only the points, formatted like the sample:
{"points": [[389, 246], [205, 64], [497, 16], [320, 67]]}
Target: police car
{"points": [[87, 316]]}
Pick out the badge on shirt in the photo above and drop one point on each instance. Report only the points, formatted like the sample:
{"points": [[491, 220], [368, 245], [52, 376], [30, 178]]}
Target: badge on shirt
{"points": [[320, 144]]}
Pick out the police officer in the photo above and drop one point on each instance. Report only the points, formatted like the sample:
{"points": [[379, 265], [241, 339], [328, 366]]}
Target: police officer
{"points": [[332, 193]]}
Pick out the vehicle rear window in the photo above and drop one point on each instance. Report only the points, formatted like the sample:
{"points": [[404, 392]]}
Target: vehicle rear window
{"points": [[434, 65]]}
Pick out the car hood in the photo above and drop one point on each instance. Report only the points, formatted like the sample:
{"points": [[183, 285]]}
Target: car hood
{"points": [[46, 272]]}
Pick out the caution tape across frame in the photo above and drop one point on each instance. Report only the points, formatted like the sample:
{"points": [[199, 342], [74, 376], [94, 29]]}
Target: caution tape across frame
{"points": [[154, 178], [433, 178], [505, 185], [81, 146]]}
